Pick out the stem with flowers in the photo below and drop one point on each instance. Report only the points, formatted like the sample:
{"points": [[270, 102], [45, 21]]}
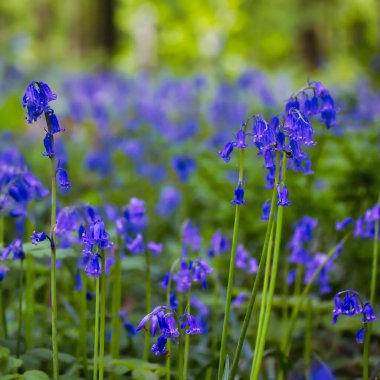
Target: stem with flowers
{"points": [[96, 332], [102, 316], [257, 281], [2, 303], [367, 335], [147, 299], [256, 365], [231, 273], [187, 339], [116, 301], [53, 255]]}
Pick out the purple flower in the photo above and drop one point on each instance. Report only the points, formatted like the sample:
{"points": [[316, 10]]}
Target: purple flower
{"points": [[200, 271], [219, 244], [191, 236], [93, 265], [38, 237], [155, 248], [283, 196], [48, 143], [226, 152], [193, 327], [240, 139], [63, 179], [239, 196], [159, 348], [170, 198], [136, 246], [266, 211], [339, 226], [239, 300], [184, 166]]}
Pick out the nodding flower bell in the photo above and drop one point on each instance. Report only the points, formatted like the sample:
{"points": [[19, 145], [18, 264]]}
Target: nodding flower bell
{"points": [[283, 196], [239, 196], [227, 151]]}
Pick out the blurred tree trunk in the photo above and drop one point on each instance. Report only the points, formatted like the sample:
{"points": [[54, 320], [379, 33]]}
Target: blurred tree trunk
{"points": [[105, 26]]}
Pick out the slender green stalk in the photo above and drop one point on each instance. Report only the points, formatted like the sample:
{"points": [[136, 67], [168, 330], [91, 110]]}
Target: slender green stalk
{"points": [[309, 325], [96, 332], [231, 277], [29, 320], [367, 335], [298, 282], [147, 299], [83, 324], [102, 318], [187, 340], [285, 309], [168, 345], [257, 281], [264, 299], [293, 318], [256, 365], [2, 301], [215, 322], [180, 342], [20, 308], [29, 302], [116, 304], [53, 218]]}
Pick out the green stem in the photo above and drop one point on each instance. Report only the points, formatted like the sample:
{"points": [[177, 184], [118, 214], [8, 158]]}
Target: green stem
{"points": [[367, 335], [256, 365], [187, 339], [257, 281], [2, 301], [96, 332], [309, 323], [293, 318], [285, 309], [29, 302], [298, 282], [83, 324], [53, 218], [116, 304], [102, 318], [231, 277], [180, 342], [215, 322], [147, 300], [264, 298], [20, 308]]}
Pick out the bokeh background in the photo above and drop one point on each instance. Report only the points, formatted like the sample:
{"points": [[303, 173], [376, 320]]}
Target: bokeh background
{"points": [[141, 83]]}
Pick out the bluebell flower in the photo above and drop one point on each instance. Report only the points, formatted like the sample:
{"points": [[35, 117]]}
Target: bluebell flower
{"points": [[48, 143], [15, 248], [155, 248], [240, 298], [159, 348], [93, 265], [239, 196], [193, 328], [3, 272], [173, 303], [63, 179], [266, 211], [339, 226], [184, 166], [165, 281], [129, 328], [54, 124], [240, 139], [353, 305], [191, 236], [283, 196], [136, 246], [199, 305], [200, 271], [38, 237], [36, 100], [241, 257], [219, 244], [227, 151], [78, 281], [170, 198], [183, 277]]}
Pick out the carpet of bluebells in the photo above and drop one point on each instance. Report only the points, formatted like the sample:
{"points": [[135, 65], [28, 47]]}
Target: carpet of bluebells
{"points": [[154, 227]]}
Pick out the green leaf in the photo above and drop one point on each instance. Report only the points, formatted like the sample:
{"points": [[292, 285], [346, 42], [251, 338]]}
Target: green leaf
{"points": [[141, 374], [43, 250], [35, 375]]}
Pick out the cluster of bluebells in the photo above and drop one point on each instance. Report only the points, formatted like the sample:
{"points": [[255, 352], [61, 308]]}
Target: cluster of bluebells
{"points": [[365, 226], [36, 100], [18, 185], [131, 225], [288, 134], [15, 249], [349, 303], [299, 255], [163, 320]]}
